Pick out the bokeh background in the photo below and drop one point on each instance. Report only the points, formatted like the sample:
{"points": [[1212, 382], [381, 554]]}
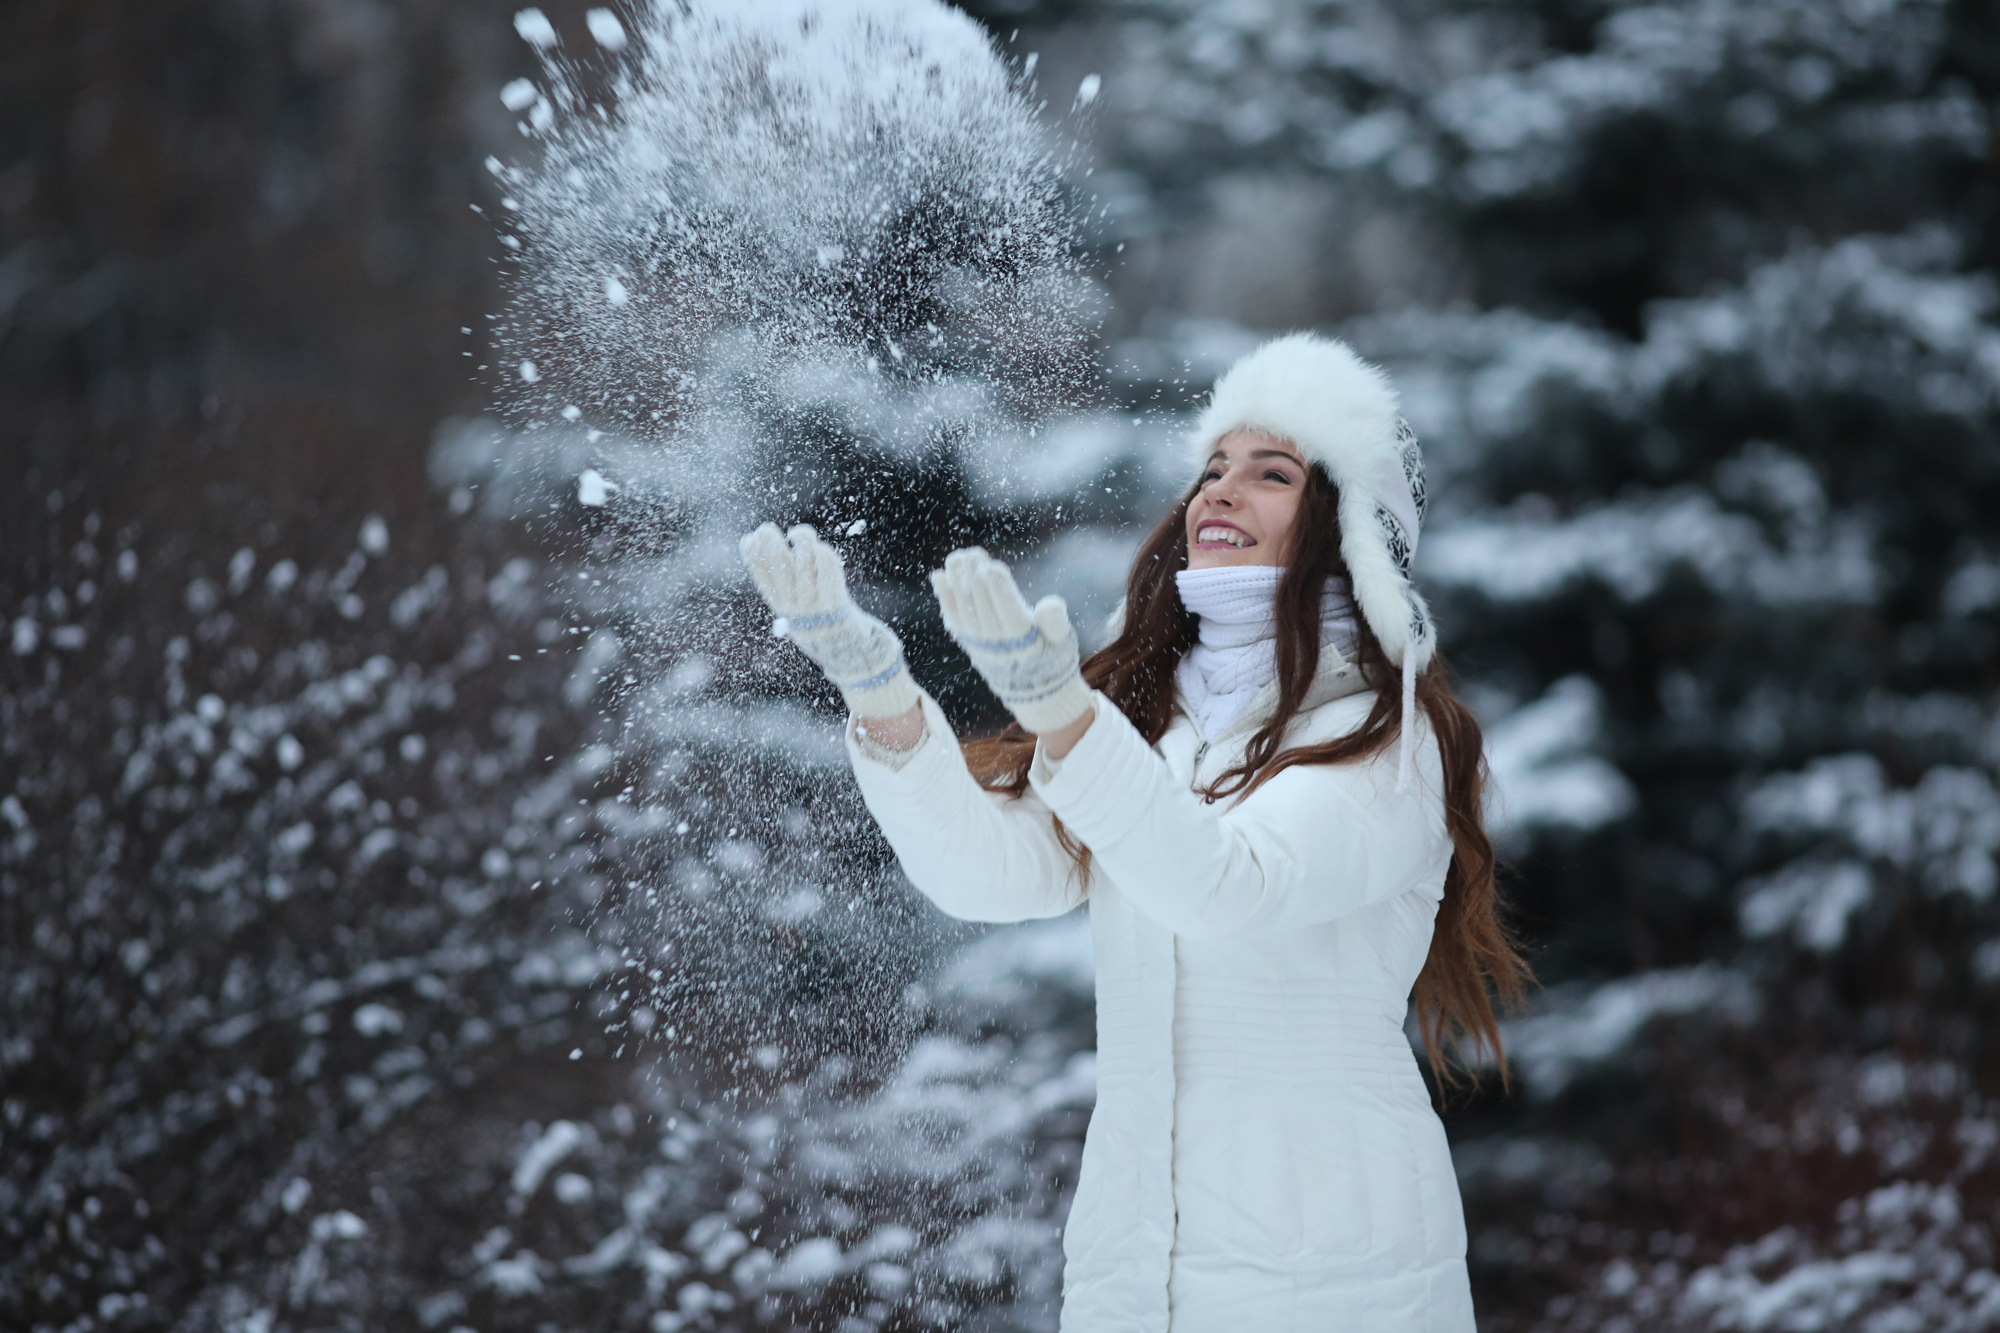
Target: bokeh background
{"points": [[394, 935]]}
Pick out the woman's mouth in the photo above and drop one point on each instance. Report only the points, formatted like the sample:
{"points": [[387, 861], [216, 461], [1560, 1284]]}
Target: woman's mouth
{"points": [[1210, 534]]}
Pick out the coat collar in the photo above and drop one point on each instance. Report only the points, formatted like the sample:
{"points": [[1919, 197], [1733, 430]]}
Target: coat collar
{"points": [[1336, 678]]}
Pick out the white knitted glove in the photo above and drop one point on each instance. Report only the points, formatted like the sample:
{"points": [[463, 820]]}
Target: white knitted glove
{"points": [[805, 584], [1028, 656]]}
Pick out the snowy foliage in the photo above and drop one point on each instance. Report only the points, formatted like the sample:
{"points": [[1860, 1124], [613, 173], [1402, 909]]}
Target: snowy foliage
{"points": [[1918, 1252], [333, 891], [1471, 100], [1692, 304]]}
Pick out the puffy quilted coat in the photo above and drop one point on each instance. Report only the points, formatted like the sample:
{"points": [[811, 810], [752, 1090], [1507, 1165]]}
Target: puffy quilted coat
{"points": [[1263, 1157]]}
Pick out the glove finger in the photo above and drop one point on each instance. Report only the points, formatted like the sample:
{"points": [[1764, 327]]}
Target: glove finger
{"points": [[1008, 610], [974, 618], [769, 560], [947, 600], [990, 599], [1052, 618], [964, 607], [753, 541], [750, 547], [982, 615], [792, 579], [819, 585], [1001, 576], [965, 559], [828, 577], [965, 610], [759, 545]]}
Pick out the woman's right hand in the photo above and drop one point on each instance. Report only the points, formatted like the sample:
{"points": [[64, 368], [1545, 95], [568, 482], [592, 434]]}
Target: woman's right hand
{"points": [[1027, 654], [803, 581]]}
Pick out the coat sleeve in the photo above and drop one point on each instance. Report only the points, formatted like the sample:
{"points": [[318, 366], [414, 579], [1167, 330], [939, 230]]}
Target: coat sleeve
{"points": [[1315, 843], [979, 855]]}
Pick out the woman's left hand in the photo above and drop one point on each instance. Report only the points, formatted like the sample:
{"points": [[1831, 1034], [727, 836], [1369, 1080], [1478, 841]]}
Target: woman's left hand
{"points": [[1028, 655]]}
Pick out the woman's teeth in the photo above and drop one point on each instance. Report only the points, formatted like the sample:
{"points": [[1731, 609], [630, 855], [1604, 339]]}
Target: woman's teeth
{"points": [[1229, 535]]}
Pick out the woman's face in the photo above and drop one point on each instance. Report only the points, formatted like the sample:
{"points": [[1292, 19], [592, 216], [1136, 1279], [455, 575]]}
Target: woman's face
{"points": [[1248, 501]]}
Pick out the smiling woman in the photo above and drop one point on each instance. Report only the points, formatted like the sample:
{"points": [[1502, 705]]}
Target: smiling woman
{"points": [[1246, 502], [1268, 887]]}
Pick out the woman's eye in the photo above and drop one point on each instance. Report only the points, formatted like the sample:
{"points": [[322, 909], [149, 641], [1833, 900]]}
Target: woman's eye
{"points": [[1210, 475], [1275, 475]]}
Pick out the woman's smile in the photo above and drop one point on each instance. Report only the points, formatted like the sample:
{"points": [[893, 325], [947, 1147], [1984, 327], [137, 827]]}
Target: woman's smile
{"points": [[1216, 532]]}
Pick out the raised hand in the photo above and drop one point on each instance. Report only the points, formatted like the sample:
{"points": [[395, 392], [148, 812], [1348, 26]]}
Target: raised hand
{"points": [[805, 584], [1028, 655]]}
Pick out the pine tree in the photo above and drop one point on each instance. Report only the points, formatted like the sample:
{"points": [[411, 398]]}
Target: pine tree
{"points": [[1693, 306]]}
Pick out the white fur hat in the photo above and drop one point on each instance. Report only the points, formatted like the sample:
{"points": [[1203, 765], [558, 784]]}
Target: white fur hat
{"points": [[1340, 412]]}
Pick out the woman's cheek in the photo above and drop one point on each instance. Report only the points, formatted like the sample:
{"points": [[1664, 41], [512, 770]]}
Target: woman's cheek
{"points": [[1279, 515]]}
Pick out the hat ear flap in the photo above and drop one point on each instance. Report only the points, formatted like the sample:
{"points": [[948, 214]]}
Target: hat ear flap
{"points": [[1411, 455], [1391, 605], [1422, 629]]}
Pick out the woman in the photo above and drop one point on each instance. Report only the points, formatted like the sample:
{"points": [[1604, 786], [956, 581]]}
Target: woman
{"points": [[1276, 843]]}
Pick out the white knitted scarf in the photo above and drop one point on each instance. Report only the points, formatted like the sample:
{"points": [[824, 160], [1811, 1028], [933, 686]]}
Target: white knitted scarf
{"points": [[1237, 654]]}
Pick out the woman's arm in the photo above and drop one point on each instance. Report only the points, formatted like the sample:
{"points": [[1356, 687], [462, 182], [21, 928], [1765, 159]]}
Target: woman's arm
{"points": [[895, 734], [979, 855], [1055, 744], [1315, 843]]}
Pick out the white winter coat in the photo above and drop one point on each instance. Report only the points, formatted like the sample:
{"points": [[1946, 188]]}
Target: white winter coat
{"points": [[1263, 1157]]}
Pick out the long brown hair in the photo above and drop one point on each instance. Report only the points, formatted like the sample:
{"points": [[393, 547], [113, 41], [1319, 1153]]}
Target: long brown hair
{"points": [[1474, 957]]}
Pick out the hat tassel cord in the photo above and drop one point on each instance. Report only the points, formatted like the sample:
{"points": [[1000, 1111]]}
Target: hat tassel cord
{"points": [[1406, 745]]}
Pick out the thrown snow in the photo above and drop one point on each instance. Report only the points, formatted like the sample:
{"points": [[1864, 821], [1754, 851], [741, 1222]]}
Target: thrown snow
{"points": [[772, 254], [535, 29], [805, 185], [1087, 565], [605, 28]]}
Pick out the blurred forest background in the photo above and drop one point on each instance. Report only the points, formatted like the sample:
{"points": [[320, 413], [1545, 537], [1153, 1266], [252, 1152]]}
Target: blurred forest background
{"points": [[393, 936]]}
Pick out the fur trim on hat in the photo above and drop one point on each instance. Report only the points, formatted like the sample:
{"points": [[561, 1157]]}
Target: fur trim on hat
{"points": [[1341, 413]]}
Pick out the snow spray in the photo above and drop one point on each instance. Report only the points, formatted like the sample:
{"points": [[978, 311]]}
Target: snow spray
{"points": [[797, 260], [756, 230]]}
